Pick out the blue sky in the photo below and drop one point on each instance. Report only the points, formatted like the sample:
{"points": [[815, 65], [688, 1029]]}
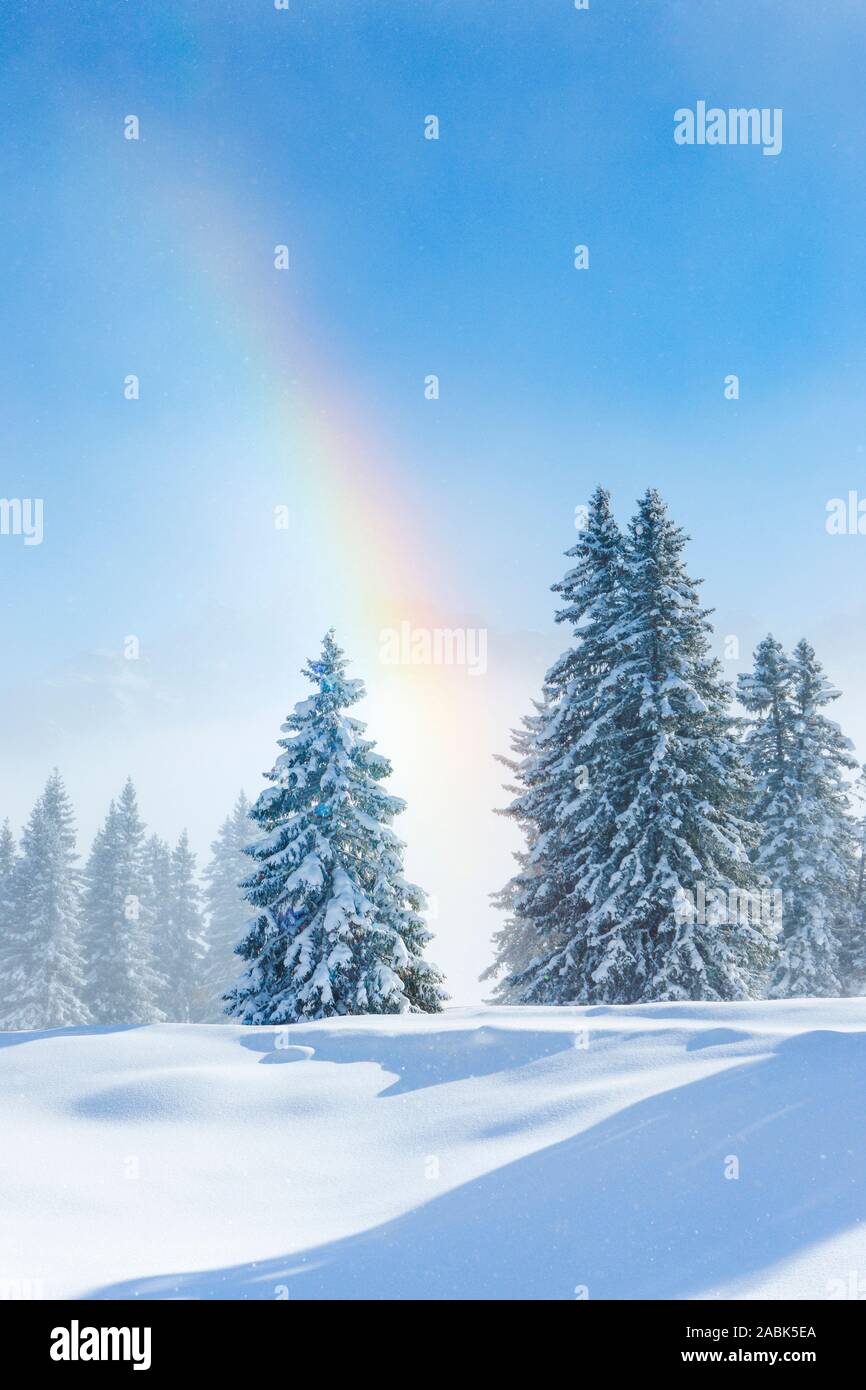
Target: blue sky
{"points": [[408, 257]]}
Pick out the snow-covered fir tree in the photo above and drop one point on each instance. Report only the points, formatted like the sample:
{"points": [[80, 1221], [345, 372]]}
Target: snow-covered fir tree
{"points": [[562, 778], [807, 847], [337, 928], [47, 984], [515, 943], [226, 908], [124, 985], [9, 924], [156, 892], [765, 692], [180, 947], [854, 961], [156, 902], [656, 821], [679, 786], [8, 863]]}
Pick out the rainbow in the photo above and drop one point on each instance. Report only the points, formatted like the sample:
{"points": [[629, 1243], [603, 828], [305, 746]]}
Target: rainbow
{"points": [[333, 460], [332, 463]]}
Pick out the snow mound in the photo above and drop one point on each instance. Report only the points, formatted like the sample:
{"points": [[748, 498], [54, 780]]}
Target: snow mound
{"points": [[655, 1151]]}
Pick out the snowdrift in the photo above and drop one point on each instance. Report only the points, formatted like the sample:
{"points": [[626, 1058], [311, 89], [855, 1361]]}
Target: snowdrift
{"points": [[659, 1151]]}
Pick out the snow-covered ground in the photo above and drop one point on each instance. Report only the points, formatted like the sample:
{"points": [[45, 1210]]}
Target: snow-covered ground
{"points": [[500, 1153]]}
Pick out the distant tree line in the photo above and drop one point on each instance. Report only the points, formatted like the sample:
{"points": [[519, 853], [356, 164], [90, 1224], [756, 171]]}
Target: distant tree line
{"points": [[130, 937]]}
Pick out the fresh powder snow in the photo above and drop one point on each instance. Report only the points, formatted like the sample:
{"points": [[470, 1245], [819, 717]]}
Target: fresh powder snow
{"points": [[668, 1150]]}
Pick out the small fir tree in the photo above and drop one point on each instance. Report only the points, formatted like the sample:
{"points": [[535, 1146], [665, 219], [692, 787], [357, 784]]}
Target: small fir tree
{"points": [[226, 908], [807, 846], [48, 978], [10, 941], [181, 950], [337, 928], [124, 985]]}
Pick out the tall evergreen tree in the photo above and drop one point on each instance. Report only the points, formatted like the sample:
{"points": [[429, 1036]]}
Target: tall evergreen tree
{"points": [[48, 983], [180, 951], [854, 962], [633, 792], [516, 943], [679, 787], [227, 910], [807, 847], [562, 774], [123, 983], [635, 789], [337, 927]]}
